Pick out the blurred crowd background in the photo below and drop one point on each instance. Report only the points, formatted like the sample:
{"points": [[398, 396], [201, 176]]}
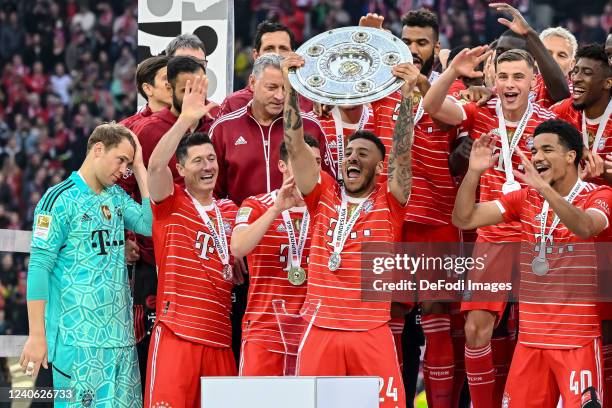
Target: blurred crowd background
{"points": [[68, 65]]}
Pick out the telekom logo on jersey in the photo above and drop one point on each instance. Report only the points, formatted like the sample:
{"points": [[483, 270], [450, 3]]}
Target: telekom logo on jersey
{"points": [[333, 225], [205, 244]]}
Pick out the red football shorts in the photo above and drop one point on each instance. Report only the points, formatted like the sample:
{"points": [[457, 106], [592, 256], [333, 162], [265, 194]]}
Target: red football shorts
{"points": [[502, 265], [256, 360], [367, 353], [175, 366], [539, 376]]}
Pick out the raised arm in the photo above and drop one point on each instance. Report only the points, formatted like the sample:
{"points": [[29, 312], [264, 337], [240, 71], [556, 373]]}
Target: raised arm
{"points": [[303, 161], [245, 237], [400, 157], [435, 101], [159, 175], [555, 81], [584, 223], [467, 214]]}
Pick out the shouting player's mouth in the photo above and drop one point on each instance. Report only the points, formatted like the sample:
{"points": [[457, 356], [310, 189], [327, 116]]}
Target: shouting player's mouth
{"points": [[207, 177], [353, 172]]}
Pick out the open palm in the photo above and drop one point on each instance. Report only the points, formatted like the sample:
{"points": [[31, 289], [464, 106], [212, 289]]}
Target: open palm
{"points": [[467, 60], [481, 156]]}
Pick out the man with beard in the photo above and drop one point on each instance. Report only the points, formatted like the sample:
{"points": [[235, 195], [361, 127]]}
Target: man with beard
{"points": [[590, 107], [516, 118], [349, 336], [428, 214], [180, 70]]}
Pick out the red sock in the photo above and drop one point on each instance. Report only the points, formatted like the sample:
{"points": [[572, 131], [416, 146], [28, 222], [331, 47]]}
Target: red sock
{"points": [[459, 377], [439, 359], [480, 375], [607, 384], [503, 349]]}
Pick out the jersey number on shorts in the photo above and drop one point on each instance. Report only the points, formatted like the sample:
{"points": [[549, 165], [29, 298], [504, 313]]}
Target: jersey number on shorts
{"points": [[391, 392], [586, 381]]}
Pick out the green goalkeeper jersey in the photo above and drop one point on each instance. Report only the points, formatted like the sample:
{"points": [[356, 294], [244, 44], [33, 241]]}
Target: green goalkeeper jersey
{"points": [[90, 303]]}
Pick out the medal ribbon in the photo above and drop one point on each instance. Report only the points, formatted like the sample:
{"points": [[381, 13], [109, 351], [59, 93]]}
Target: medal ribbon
{"points": [[544, 217], [600, 128], [219, 238], [296, 248], [508, 148], [343, 231], [339, 124]]}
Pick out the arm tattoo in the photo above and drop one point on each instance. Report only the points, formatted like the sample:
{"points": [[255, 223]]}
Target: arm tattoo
{"points": [[400, 158], [292, 119]]}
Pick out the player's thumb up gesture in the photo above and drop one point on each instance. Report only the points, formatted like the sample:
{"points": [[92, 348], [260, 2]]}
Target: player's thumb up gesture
{"points": [[194, 101]]}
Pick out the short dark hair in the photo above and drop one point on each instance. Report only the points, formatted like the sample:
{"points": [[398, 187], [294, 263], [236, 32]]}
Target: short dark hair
{"points": [[189, 140], [179, 65], [366, 134], [184, 41], [422, 18], [596, 52], [147, 70], [310, 141], [568, 136], [110, 135], [515, 55], [271, 27]]}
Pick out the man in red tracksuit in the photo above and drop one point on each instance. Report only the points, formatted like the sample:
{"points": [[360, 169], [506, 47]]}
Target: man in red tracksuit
{"points": [[247, 141]]}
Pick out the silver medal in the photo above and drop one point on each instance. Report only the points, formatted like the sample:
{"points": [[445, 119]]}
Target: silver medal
{"points": [[539, 266], [334, 261], [227, 272]]}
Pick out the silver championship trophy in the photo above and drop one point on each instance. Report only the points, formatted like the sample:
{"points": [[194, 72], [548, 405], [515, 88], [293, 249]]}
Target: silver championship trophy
{"points": [[349, 66], [292, 328]]}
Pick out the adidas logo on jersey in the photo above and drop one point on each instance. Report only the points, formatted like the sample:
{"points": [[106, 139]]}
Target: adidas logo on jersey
{"points": [[332, 144], [240, 141], [85, 218], [281, 228]]}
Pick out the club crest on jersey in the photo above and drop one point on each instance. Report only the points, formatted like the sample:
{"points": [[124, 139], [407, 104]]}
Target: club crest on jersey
{"points": [[106, 212], [529, 143], [227, 227], [119, 213], [367, 206]]}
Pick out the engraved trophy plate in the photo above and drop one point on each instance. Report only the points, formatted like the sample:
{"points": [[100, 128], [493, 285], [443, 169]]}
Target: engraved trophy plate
{"points": [[349, 66]]}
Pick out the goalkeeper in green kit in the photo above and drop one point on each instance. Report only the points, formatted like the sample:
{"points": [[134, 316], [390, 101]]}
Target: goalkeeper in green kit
{"points": [[79, 301]]}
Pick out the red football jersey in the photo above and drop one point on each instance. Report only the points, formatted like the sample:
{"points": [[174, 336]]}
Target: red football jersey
{"points": [[481, 120], [565, 110], [328, 124], [540, 94], [548, 318], [433, 189], [339, 292], [268, 267], [194, 300]]}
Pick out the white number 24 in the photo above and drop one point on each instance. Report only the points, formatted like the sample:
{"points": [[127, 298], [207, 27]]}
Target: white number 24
{"points": [[391, 392]]}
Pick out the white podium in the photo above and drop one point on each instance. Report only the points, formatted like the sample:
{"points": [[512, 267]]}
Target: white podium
{"points": [[294, 392]]}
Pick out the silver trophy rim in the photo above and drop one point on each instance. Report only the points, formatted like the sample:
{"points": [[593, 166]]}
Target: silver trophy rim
{"points": [[324, 98]]}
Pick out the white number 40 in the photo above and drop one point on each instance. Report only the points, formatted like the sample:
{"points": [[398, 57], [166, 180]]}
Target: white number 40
{"points": [[391, 392], [586, 381]]}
